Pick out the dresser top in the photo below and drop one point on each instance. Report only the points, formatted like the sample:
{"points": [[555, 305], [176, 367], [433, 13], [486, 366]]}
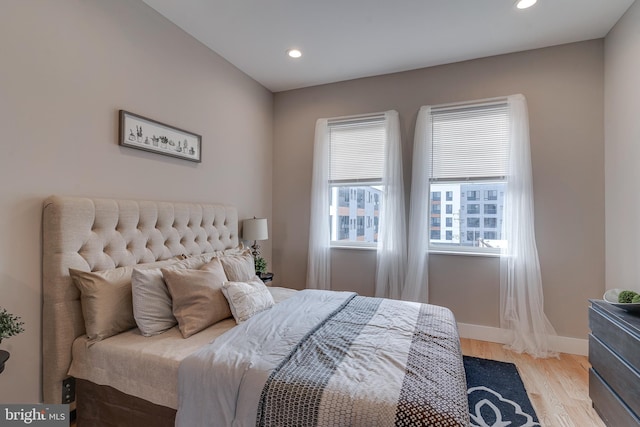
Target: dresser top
{"points": [[629, 320]]}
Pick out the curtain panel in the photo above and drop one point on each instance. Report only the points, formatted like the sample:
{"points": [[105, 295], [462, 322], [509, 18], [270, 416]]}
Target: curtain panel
{"points": [[392, 245], [416, 287], [521, 298], [319, 259]]}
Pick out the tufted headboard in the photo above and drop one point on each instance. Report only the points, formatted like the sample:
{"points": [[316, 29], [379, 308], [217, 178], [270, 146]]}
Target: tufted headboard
{"points": [[99, 234]]}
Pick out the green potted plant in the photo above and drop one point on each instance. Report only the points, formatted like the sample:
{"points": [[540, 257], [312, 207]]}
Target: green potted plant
{"points": [[261, 265], [10, 325]]}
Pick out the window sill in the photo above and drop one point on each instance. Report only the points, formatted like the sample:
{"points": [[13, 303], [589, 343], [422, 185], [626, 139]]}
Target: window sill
{"points": [[357, 248], [464, 253], [431, 252]]}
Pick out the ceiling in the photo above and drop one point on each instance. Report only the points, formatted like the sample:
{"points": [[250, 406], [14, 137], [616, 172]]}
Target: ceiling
{"points": [[347, 39]]}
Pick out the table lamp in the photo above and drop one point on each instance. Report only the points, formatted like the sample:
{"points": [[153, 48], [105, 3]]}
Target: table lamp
{"points": [[255, 229]]}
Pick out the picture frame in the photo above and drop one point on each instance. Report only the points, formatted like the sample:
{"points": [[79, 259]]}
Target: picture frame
{"points": [[146, 134]]}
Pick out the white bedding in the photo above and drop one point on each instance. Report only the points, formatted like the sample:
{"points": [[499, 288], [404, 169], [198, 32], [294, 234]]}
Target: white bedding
{"points": [[324, 358], [146, 367]]}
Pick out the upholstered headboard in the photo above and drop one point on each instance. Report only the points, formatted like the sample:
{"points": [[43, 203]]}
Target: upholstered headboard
{"points": [[99, 234]]}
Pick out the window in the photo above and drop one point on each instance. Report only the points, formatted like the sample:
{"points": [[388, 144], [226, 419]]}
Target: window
{"points": [[361, 198], [435, 208], [436, 196], [449, 209], [363, 154], [356, 160], [449, 222], [435, 234], [343, 231], [469, 149], [473, 237], [490, 209], [490, 222], [491, 235], [435, 222], [449, 235]]}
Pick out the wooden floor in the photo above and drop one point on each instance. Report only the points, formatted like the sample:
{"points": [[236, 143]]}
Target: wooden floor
{"points": [[558, 388]]}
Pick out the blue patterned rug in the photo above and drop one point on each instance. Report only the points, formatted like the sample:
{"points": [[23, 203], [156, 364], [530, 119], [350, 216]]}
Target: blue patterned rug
{"points": [[497, 397]]}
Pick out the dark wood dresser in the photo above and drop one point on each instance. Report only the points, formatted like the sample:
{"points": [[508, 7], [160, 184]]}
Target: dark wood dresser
{"points": [[614, 354]]}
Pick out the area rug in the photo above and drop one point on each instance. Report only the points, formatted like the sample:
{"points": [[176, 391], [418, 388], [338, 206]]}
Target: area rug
{"points": [[497, 397]]}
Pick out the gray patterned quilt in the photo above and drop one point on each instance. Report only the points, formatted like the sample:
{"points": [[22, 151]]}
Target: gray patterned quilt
{"points": [[323, 358]]}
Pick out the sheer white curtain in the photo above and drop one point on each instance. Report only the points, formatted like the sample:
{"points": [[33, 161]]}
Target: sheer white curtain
{"points": [[392, 244], [521, 299], [319, 261], [416, 287]]}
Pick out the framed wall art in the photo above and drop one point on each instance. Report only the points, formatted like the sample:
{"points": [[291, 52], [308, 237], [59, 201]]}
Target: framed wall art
{"points": [[148, 135]]}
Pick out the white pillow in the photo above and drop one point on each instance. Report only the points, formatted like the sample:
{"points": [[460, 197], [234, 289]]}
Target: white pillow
{"points": [[152, 305], [247, 298]]}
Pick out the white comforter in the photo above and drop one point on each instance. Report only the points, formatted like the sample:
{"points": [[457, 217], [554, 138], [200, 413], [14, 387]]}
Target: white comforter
{"points": [[393, 361]]}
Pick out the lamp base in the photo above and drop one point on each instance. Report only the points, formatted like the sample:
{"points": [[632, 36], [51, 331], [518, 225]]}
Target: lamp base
{"points": [[255, 249]]}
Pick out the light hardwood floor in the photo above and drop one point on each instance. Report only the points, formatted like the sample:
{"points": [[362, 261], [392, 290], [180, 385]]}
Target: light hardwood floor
{"points": [[558, 388]]}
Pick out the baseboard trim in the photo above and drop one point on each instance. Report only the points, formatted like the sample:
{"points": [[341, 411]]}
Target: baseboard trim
{"points": [[556, 343]]}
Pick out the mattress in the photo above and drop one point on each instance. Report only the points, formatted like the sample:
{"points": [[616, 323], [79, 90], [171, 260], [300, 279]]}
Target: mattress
{"points": [[146, 367]]}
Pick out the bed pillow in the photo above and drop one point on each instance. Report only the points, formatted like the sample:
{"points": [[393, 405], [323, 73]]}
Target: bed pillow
{"points": [[247, 298], [239, 268], [106, 300], [238, 250], [197, 296], [151, 302], [152, 306]]}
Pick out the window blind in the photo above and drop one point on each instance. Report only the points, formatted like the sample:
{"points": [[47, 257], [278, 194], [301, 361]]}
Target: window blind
{"points": [[356, 150], [470, 142]]}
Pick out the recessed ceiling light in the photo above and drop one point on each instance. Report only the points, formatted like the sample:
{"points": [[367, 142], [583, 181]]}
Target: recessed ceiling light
{"points": [[524, 4], [294, 53]]}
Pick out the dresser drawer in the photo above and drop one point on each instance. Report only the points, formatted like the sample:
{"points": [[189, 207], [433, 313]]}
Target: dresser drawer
{"points": [[620, 377], [612, 410], [616, 337]]}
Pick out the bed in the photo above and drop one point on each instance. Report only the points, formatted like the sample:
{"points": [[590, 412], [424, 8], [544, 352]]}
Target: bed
{"points": [[313, 358]]}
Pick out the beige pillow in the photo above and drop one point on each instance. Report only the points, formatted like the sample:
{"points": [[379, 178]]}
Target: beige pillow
{"points": [[106, 299], [247, 298], [239, 268], [197, 296], [152, 306]]}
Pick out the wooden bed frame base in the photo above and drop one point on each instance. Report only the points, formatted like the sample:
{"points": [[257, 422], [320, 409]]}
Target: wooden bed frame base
{"points": [[104, 406]]}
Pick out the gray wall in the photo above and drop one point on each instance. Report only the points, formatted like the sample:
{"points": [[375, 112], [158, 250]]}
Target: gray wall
{"points": [[67, 67], [622, 151], [564, 89]]}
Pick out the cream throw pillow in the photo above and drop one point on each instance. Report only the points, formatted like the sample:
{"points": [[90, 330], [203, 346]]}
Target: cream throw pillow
{"points": [[106, 299], [247, 298], [239, 268], [152, 306], [197, 296]]}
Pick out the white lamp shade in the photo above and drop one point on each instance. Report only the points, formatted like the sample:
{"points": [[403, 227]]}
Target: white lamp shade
{"points": [[255, 229]]}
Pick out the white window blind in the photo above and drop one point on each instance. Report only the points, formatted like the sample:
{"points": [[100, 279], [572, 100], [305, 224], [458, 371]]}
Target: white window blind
{"points": [[470, 142], [356, 150]]}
